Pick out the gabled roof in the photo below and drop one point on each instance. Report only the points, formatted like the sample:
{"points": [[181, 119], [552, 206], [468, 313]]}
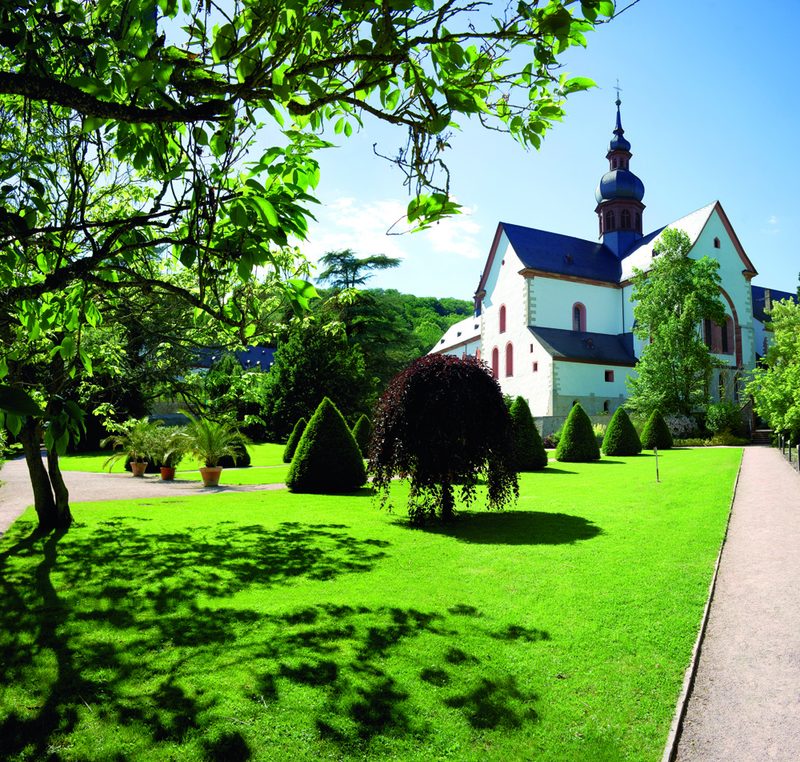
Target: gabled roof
{"points": [[562, 254], [759, 299], [599, 348], [641, 253], [462, 332]]}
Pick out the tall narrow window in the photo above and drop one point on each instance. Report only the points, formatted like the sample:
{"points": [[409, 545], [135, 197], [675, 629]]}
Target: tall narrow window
{"points": [[610, 222], [626, 219], [496, 363], [509, 359], [578, 317], [502, 318], [717, 243], [707, 332], [727, 336]]}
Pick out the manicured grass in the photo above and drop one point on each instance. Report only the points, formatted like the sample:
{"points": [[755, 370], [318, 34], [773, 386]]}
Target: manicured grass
{"points": [[275, 626], [260, 455]]}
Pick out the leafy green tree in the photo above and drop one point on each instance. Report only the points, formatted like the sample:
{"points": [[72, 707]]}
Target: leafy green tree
{"points": [[656, 433], [442, 422], [578, 443], [621, 437], [294, 438], [672, 300], [131, 157], [775, 386], [327, 458], [343, 269], [529, 452], [310, 365]]}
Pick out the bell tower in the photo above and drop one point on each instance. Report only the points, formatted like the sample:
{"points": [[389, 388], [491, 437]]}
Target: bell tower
{"points": [[619, 196]]}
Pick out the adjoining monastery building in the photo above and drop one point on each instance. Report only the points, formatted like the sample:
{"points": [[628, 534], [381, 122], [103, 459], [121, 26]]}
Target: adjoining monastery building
{"points": [[554, 317]]}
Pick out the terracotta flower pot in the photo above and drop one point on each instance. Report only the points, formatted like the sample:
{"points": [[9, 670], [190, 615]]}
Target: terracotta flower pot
{"points": [[138, 469], [167, 473], [211, 475]]}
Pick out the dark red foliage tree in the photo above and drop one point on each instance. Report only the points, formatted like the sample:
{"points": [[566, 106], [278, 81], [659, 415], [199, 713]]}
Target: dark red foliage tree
{"points": [[442, 422]]}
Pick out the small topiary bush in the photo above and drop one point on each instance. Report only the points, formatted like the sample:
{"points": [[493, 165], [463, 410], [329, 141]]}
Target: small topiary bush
{"points": [[362, 433], [621, 437], [529, 453], [327, 458], [294, 438], [578, 443], [656, 433]]}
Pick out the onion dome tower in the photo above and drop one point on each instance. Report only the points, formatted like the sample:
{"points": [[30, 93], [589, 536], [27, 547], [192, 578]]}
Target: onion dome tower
{"points": [[619, 196]]}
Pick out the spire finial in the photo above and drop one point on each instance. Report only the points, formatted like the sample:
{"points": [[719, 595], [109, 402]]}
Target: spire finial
{"points": [[618, 102]]}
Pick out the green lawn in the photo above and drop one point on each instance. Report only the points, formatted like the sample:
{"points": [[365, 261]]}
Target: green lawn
{"points": [[274, 626]]}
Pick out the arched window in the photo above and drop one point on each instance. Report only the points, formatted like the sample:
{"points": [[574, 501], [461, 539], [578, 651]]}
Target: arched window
{"points": [[626, 219], [717, 243], [509, 359], [578, 317], [727, 336], [478, 353], [606, 406], [496, 363], [502, 318], [610, 222]]}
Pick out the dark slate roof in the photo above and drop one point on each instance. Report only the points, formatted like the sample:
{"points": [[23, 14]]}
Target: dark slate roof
{"points": [[563, 254], [600, 348], [759, 298], [250, 357]]}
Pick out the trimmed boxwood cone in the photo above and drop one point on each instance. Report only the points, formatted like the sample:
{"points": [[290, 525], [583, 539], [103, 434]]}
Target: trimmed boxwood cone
{"points": [[529, 452], [656, 433], [621, 437], [578, 444], [294, 438], [327, 459], [362, 432]]}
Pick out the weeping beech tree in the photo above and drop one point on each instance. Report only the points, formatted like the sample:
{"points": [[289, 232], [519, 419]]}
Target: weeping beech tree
{"points": [[442, 422]]}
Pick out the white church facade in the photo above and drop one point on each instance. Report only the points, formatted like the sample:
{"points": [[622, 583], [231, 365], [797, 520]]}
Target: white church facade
{"points": [[554, 317]]}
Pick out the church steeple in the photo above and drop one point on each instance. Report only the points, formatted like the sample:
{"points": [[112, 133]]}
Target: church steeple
{"points": [[619, 195]]}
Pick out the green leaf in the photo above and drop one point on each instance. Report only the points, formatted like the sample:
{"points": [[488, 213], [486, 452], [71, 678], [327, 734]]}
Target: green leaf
{"points": [[17, 402], [223, 42], [139, 74], [264, 208]]}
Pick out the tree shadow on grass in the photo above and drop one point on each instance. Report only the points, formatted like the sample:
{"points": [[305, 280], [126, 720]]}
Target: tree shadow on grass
{"points": [[85, 619], [515, 528]]}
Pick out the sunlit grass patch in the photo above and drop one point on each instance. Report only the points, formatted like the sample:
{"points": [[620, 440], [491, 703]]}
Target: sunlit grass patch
{"points": [[275, 626]]}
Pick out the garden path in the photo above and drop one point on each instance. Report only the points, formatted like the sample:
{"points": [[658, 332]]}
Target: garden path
{"points": [[16, 493], [745, 704]]}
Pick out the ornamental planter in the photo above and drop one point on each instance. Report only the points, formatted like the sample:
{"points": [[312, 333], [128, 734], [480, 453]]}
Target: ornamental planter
{"points": [[167, 473], [138, 469], [211, 475]]}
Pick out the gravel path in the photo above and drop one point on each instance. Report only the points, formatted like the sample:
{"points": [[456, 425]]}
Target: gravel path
{"points": [[745, 704], [16, 493]]}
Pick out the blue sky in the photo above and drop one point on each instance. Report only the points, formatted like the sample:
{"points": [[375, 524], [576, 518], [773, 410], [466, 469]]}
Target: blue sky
{"points": [[710, 105]]}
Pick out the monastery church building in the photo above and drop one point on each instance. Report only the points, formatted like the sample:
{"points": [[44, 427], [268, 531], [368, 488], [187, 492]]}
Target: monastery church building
{"points": [[553, 315]]}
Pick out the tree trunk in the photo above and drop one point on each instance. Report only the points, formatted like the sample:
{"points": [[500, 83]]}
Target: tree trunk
{"points": [[448, 503], [60, 492], [53, 511]]}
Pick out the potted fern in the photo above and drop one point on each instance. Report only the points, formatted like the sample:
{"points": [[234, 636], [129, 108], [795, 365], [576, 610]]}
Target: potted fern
{"points": [[133, 439], [211, 440]]}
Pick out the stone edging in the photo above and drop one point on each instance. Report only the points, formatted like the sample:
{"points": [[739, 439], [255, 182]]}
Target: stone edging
{"points": [[671, 748]]}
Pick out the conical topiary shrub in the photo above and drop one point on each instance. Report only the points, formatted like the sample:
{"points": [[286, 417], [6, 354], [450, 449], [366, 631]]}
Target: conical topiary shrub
{"points": [[578, 443], [294, 438], [529, 453], [621, 437], [362, 432], [656, 433], [327, 459]]}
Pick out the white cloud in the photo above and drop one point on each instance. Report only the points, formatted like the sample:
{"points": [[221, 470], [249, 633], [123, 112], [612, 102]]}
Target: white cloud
{"points": [[364, 226], [773, 225]]}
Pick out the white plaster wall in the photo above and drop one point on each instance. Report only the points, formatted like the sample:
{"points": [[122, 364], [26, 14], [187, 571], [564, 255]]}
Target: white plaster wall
{"points": [[469, 349], [581, 379], [734, 283], [535, 386], [551, 300]]}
